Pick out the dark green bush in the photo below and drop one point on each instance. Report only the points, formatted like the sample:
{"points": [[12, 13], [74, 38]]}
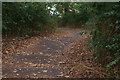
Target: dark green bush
{"points": [[26, 18], [106, 38]]}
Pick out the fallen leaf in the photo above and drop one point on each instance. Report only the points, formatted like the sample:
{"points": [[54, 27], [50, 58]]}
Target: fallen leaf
{"points": [[6, 51], [61, 62], [34, 74], [60, 75], [41, 53], [67, 76], [45, 71]]}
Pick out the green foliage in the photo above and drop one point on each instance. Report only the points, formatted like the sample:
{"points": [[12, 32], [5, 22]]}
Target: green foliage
{"points": [[26, 18], [102, 18], [106, 36], [113, 62], [72, 14], [84, 32]]}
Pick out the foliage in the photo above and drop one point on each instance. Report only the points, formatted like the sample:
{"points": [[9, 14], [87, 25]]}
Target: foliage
{"points": [[102, 18], [26, 18], [106, 35], [84, 32], [72, 14]]}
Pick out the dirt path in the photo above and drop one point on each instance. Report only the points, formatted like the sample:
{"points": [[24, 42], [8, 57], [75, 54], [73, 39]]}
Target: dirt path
{"points": [[47, 57]]}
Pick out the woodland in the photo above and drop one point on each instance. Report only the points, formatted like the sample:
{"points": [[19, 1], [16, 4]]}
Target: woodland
{"points": [[99, 21]]}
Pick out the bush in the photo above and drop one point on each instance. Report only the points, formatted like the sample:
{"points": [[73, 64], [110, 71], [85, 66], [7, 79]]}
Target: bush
{"points": [[106, 37], [26, 18]]}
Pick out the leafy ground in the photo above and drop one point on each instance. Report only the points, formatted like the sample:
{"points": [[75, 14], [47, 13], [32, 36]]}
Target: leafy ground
{"points": [[63, 54]]}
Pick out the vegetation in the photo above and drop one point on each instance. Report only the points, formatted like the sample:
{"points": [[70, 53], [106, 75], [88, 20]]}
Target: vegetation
{"points": [[102, 18], [106, 35], [26, 18]]}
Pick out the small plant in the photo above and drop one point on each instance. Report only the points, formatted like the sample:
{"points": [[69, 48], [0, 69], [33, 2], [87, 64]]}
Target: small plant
{"points": [[84, 32]]}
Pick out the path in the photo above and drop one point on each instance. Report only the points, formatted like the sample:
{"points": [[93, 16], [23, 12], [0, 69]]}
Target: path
{"points": [[65, 54], [44, 59]]}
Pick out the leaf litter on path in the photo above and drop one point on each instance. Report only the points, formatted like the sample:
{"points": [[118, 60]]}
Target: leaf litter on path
{"points": [[74, 57]]}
